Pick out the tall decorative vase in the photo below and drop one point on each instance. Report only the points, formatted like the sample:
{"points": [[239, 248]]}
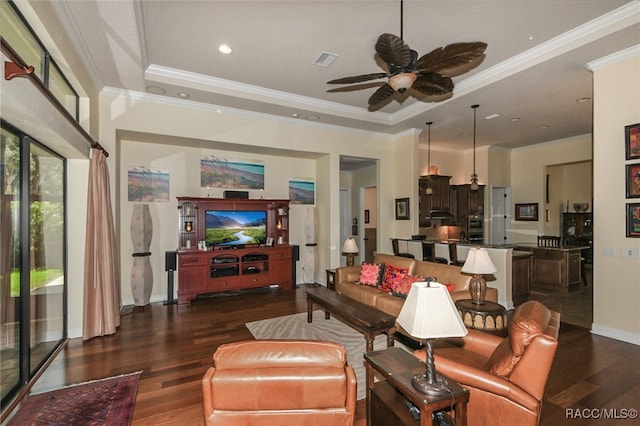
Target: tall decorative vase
{"points": [[141, 272], [310, 232]]}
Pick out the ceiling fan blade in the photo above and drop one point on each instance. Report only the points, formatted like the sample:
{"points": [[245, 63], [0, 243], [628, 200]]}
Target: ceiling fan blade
{"points": [[358, 78], [451, 56], [393, 50], [381, 94], [432, 84]]}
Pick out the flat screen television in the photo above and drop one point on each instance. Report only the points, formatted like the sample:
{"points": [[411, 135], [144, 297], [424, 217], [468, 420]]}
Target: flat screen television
{"points": [[235, 227]]}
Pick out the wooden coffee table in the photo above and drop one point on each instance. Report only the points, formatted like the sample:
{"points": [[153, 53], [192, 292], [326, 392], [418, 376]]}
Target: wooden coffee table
{"points": [[362, 318]]}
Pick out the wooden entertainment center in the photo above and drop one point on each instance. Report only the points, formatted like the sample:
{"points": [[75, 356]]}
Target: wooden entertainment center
{"points": [[217, 267]]}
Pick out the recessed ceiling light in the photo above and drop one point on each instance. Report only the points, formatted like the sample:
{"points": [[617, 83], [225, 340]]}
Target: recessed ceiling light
{"points": [[156, 90], [312, 117], [514, 119], [545, 126], [183, 95], [225, 49], [492, 116], [585, 99], [295, 115]]}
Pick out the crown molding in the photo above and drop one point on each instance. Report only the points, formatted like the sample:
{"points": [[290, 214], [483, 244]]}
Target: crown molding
{"points": [[622, 55], [203, 106]]}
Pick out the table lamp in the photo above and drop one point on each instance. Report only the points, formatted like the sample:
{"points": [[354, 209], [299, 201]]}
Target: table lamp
{"points": [[477, 263], [429, 313], [350, 249]]}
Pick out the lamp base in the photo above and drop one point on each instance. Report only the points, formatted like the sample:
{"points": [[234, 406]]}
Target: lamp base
{"points": [[477, 289], [439, 387], [350, 258]]}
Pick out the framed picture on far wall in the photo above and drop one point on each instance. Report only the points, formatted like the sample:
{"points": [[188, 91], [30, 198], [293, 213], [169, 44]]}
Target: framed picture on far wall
{"points": [[402, 209], [633, 180], [528, 211], [633, 220], [632, 141]]}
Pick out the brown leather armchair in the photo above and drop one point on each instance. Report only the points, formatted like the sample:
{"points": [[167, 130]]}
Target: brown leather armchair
{"points": [[276, 382], [507, 376]]}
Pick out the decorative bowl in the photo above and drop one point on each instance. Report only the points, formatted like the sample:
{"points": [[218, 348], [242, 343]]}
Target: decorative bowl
{"points": [[581, 207]]}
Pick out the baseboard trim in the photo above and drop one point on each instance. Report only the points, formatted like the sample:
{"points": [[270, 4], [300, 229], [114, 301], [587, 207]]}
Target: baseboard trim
{"points": [[615, 333]]}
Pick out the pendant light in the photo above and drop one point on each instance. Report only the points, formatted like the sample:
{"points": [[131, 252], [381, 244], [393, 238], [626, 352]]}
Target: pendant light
{"points": [[474, 176], [429, 190]]}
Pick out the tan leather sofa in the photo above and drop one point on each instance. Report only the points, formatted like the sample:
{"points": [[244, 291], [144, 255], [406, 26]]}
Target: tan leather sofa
{"points": [[280, 382], [346, 279], [506, 377]]}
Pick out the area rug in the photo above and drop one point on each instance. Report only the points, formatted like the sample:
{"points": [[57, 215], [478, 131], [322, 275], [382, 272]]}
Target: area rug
{"points": [[296, 327], [107, 401]]}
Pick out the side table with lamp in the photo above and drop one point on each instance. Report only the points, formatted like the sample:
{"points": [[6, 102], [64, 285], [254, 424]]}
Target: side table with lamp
{"points": [[350, 250], [409, 385], [477, 313]]}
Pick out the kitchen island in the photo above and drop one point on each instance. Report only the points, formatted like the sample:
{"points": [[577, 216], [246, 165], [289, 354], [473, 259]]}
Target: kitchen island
{"points": [[555, 268]]}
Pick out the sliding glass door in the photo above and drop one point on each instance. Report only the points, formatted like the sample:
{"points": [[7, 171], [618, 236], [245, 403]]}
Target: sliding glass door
{"points": [[32, 244], [9, 261]]}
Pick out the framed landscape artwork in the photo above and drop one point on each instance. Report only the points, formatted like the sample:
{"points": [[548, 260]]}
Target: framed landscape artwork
{"points": [[633, 180], [527, 211], [632, 141], [633, 220], [145, 185], [222, 173]]}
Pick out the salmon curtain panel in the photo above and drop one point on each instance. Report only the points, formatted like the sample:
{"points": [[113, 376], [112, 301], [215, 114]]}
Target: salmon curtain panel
{"points": [[101, 315]]}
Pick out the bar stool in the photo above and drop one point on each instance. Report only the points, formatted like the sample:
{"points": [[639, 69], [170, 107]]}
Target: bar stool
{"points": [[453, 255], [396, 249], [429, 253]]}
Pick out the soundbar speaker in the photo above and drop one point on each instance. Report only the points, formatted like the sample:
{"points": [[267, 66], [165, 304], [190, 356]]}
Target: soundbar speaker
{"points": [[236, 194]]}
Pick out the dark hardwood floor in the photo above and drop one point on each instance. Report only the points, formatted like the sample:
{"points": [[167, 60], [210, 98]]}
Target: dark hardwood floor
{"points": [[172, 346]]}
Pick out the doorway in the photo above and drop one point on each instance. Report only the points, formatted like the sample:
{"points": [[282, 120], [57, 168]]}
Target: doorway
{"points": [[358, 204]]}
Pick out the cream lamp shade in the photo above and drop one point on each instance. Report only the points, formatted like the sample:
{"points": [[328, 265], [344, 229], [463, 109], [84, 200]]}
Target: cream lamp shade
{"points": [[350, 246], [429, 313], [478, 262]]}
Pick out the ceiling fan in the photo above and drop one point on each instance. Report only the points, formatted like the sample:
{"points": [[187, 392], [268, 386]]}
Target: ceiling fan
{"points": [[429, 75]]}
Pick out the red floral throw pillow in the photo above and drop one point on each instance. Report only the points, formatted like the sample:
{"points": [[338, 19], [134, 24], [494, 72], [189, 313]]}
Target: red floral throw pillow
{"points": [[370, 274], [393, 276], [402, 288]]}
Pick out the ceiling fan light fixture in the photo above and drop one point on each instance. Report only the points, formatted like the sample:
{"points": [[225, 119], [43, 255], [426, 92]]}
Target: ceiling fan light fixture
{"points": [[403, 81]]}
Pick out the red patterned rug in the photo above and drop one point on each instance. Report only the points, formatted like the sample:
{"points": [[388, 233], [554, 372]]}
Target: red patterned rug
{"points": [[108, 401]]}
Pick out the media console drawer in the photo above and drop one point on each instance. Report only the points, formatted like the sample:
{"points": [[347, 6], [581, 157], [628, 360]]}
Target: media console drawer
{"points": [[225, 283]]}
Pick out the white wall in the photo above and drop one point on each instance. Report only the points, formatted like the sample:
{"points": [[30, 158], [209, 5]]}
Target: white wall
{"points": [[528, 179], [183, 166], [616, 289], [165, 126]]}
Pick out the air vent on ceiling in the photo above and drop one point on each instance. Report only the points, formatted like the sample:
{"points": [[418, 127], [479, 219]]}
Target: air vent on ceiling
{"points": [[325, 59]]}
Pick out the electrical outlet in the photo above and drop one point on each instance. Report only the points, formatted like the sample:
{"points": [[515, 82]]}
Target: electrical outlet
{"points": [[609, 251], [629, 252]]}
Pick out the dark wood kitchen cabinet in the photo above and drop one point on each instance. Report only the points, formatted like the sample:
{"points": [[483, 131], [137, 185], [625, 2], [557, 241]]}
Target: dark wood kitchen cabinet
{"points": [[465, 202], [438, 200], [577, 230]]}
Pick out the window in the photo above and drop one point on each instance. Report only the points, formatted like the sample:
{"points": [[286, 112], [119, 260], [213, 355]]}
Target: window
{"points": [[25, 43]]}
